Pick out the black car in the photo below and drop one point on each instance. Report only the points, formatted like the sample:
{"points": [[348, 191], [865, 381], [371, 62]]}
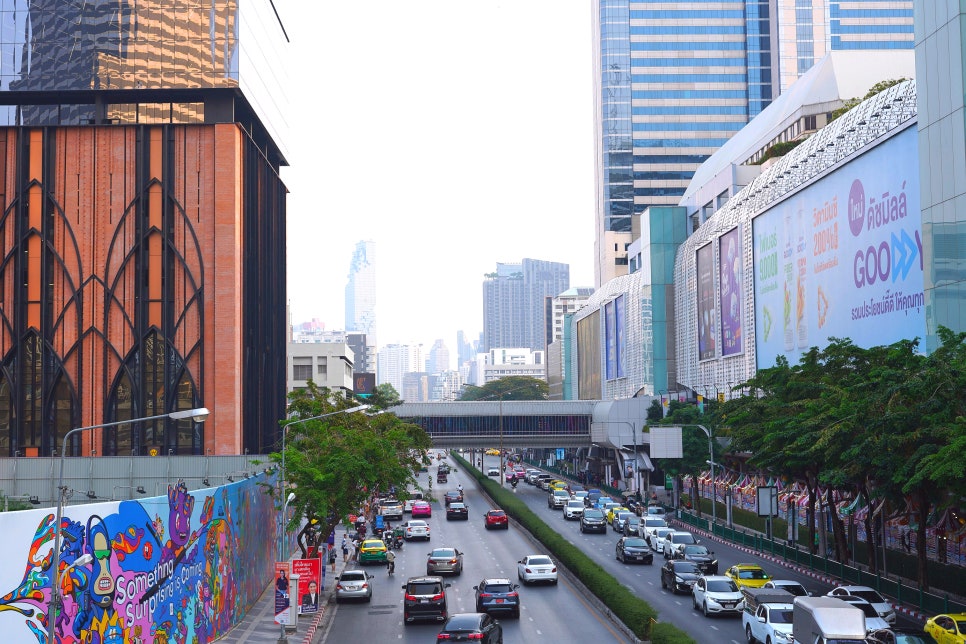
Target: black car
{"points": [[899, 635], [631, 526], [634, 549], [679, 575], [476, 627], [424, 598], [453, 495], [457, 510], [497, 594], [700, 555], [592, 520]]}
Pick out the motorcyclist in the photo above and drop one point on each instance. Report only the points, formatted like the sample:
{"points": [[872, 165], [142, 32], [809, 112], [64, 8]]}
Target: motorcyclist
{"points": [[391, 561]]}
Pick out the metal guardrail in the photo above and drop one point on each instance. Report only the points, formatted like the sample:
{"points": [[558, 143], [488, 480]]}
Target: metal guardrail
{"points": [[903, 591]]}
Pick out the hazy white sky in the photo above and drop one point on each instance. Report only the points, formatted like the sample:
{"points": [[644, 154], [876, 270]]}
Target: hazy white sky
{"points": [[453, 134]]}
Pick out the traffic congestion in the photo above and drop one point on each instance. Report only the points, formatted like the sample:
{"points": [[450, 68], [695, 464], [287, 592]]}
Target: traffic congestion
{"points": [[476, 574]]}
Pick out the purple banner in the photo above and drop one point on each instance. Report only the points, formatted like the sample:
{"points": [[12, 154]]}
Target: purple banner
{"points": [[729, 276], [706, 322]]}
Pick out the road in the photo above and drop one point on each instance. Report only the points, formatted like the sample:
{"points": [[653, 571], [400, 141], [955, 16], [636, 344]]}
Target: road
{"points": [[549, 613]]}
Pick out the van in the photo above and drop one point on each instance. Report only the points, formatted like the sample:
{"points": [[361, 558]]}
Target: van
{"points": [[413, 496], [424, 598], [824, 620]]}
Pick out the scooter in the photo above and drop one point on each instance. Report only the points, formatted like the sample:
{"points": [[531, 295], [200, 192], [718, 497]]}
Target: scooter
{"points": [[391, 565]]}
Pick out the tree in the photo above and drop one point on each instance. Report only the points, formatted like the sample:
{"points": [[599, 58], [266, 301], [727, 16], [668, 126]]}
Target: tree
{"points": [[848, 104], [509, 388], [334, 464], [694, 443], [384, 396]]}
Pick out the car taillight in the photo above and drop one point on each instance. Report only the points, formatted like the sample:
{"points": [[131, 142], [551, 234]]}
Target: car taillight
{"points": [[409, 598], [452, 561], [554, 569], [486, 595], [527, 570], [365, 584], [437, 597], [340, 587], [513, 594], [475, 636], [443, 636]]}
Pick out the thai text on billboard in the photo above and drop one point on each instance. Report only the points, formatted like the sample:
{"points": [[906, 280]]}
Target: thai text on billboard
{"points": [[729, 277], [706, 314]]}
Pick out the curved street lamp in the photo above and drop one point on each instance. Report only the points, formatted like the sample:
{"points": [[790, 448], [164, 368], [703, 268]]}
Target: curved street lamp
{"points": [[199, 415]]}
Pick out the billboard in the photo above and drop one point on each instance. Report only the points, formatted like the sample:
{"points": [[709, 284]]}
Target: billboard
{"points": [[614, 337], [588, 357], [706, 314], [843, 258], [730, 287]]}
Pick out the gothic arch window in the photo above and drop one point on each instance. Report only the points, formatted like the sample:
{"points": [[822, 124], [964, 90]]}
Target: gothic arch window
{"points": [[152, 382]]}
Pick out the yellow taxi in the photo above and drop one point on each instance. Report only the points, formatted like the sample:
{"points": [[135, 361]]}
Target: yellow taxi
{"points": [[748, 575], [492, 452], [556, 485], [372, 550], [613, 513], [947, 629]]}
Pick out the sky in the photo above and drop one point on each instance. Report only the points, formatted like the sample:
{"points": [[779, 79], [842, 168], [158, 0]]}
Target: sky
{"points": [[455, 135]]}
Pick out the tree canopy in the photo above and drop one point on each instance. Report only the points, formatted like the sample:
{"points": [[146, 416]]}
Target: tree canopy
{"points": [[508, 388]]}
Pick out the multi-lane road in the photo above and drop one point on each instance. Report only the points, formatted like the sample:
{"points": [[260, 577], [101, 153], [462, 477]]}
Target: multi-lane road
{"points": [[554, 613]]}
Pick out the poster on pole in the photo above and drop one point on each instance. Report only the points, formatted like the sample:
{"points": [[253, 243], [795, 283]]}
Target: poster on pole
{"points": [[282, 593], [310, 580]]}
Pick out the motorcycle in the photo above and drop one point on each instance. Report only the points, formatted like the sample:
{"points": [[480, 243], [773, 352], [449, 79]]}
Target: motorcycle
{"points": [[391, 565], [398, 542]]}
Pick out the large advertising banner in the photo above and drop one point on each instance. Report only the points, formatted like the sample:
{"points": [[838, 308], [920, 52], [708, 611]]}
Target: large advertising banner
{"points": [[182, 568], [619, 310], [729, 276], [706, 313], [610, 340], [843, 258], [310, 573]]}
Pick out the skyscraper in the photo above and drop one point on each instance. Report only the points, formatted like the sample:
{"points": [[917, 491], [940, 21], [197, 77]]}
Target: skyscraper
{"points": [[674, 81], [513, 303], [438, 360], [360, 301]]}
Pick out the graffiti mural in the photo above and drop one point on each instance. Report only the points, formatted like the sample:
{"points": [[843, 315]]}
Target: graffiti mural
{"points": [[182, 568]]}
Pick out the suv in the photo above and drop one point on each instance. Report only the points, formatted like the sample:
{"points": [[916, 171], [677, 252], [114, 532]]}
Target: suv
{"points": [[592, 520], [391, 509], [497, 594], [424, 598], [558, 498], [675, 542]]}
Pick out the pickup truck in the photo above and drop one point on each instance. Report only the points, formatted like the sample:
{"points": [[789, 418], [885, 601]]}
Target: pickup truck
{"points": [[767, 615]]}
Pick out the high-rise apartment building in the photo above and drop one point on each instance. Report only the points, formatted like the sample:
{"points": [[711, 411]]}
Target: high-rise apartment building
{"points": [[674, 81], [466, 348], [396, 360], [438, 360], [513, 302], [360, 301], [144, 226]]}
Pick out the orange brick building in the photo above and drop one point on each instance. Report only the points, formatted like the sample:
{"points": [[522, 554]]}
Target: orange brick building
{"points": [[142, 242]]}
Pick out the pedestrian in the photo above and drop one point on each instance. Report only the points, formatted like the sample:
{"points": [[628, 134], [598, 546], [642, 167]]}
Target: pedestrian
{"points": [[345, 548], [332, 557], [355, 550]]}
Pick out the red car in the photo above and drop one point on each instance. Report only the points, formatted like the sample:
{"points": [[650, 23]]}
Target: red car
{"points": [[422, 509], [496, 519]]}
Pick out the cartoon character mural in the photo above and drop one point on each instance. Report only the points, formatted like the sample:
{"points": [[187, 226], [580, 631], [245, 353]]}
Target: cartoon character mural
{"points": [[186, 578]]}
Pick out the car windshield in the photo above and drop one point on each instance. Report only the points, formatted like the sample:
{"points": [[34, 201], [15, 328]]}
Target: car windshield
{"points": [[663, 532], [869, 595], [594, 514], [655, 523], [682, 538], [456, 506], [781, 616], [752, 574], [497, 588], [794, 588], [867, 608], [425, 588], [695, 550], [539, 561], [685, 566], [443, 553], [496, 513], [353, 575], [463, 622], [373, 544], [722, 586], [417, 524], [574, 504], [635, 543]]}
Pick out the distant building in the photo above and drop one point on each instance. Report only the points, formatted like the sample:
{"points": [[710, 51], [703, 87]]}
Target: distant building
{"points": [[513, 302], [558, 308], [395, 361], [327, 364], [438, 360], [360, 300], [505, 362], [415, 386], [445, 385]]}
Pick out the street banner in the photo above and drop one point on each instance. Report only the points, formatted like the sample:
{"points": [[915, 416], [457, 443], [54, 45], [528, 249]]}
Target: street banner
{"points": [[282, 593], [310, 583]]}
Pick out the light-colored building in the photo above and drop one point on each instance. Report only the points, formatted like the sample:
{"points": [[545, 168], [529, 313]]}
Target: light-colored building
{"points": [[505, 362], [396, 360], [327, 364], [360, 299], [438, 360], [513, 302]]}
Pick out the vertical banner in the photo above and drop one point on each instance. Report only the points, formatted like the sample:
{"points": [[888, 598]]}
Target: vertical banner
{"points": [[704, 262], [729, 277], [610, 340], [282, 593], [619, 311], [310, 581]]}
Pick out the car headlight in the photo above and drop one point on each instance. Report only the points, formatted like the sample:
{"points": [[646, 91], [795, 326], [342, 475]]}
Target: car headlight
{"points": [[715, 563], [783, 637], [678, 580]]}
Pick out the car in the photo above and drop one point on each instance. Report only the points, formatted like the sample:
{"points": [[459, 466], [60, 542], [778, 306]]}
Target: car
{"points": [[530, 475], [497, 594], [649, 525], [493, 471], [614, 510], [573, 488], [580, 495], [716, 595], [353, 584], [558, 498], [448, 560], [496, 519], [413, 497], [885, 610], [457, 510], [656, 510], [591, 498], [631, 527], [557, 484], [675, 542], [492, 452], [422, 509], [748, 575], [700, 555], [592, 520], [541, 480], [634, 549], [620, 518], [949, 628], [679, 575], [476, 627], [573, 509], [415, 529], [372, 551], [872, 619], [899, 635], [391, 509], [534, 568], [788, 585], [453, 495], [442, 478], [607, 507], [424, 598], [657, 538]]}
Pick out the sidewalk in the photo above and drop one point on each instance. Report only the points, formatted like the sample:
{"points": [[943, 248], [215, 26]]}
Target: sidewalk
{"points": [[259, 625]]}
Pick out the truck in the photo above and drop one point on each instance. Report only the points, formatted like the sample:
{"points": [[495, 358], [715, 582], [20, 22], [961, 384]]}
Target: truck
{"points": [[827, 620], [767, 615]]}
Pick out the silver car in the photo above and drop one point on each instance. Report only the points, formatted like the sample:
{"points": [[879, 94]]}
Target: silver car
{"points": [[449, 560], [353, 584]]}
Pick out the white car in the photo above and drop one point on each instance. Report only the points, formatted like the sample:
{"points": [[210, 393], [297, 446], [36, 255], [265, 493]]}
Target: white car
{"points": [[872, 619], [413, 497], [558, 499], [717, 594], [493, 471], [573, 509], [656, 539], [533, 568], [884, 609], [649, 526], [580, 494], [415, 529], [788, 585], [675, 541]]}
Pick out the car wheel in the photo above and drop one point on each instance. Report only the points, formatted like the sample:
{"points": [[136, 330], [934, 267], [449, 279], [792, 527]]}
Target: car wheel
{"points": [[369, 599], [338, 600], [516, 613], [663, 583], [479, 608], [704, 609], [748, 636], [694, 602]]}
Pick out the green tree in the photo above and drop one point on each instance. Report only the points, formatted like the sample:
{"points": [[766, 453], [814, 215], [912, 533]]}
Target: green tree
{"points": [[694, 443], [384, 396], [848, 104], [509, 388]]}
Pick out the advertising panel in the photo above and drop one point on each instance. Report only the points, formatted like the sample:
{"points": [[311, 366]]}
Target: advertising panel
{"points": [[283, 592], [706, 321], [588, 357], [729, 279], [309, 572], [619, 310], [843, 258], [610, 340]]}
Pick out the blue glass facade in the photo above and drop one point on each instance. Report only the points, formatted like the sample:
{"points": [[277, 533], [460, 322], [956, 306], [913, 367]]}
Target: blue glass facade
{"points": [[617, 183]]}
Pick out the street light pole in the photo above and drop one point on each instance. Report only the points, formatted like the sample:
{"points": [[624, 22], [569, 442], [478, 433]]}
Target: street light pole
{"points": [[714, 492], [199, 415]]}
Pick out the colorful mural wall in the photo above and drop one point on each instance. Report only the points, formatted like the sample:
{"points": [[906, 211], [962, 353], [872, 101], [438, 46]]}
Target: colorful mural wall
{"points": [[182, 568]]}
